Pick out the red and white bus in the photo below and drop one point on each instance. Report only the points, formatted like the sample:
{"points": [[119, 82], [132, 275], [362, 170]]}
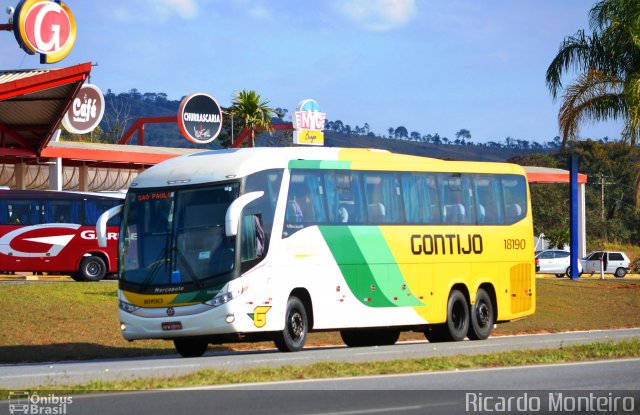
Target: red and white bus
{"points": [[54, 232]]}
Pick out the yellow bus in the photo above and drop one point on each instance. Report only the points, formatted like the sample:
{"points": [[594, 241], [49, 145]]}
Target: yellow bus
{"points": [[272, 243]]}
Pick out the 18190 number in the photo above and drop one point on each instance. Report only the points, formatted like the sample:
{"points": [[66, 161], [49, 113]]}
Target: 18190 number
{"points": [[515, 244]]}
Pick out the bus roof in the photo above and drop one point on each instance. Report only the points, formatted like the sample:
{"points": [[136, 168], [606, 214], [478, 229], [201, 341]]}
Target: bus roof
{"points": [[221, 165]]}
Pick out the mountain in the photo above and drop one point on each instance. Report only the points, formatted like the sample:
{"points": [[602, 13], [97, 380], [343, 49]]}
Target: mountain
{"points": [[124, 108]]}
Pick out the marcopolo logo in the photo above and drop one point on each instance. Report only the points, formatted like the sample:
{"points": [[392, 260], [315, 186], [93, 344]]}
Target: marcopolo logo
{"points": [[45, 27], [308, 123], [86, 110], [200, 118]]}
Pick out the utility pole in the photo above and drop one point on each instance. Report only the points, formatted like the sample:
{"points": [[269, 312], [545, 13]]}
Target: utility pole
{"points": [[602, 183]]}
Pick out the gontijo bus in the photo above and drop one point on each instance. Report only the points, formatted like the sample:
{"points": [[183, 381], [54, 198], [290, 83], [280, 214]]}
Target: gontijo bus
{"points": [[54, 232], [271, 243]]}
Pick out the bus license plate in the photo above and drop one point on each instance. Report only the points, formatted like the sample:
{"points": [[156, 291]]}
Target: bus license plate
{"points": [[173, 325]]}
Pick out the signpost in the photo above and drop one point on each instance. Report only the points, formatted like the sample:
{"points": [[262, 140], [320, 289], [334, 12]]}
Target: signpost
{"points": [[200, 118], [308, 123], [44, 27], [86, 110]]}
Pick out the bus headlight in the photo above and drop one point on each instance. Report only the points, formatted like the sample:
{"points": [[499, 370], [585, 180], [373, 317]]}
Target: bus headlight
{"points": [[129, 308], [221, 299]]}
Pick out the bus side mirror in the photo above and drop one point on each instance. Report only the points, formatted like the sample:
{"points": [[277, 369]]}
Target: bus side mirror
{"points": [[232, 218], [101, 225]]}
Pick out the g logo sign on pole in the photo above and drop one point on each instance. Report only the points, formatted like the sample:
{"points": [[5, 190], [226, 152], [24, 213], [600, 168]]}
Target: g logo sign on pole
{"points": [[200, 118], [45, 27]]}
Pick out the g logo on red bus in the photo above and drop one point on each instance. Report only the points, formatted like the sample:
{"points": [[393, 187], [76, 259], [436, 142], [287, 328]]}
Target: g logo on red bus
{"points": [[38, 240], [45, 27]]}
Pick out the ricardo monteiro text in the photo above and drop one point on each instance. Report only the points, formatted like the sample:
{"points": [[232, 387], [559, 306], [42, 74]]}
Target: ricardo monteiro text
{"points": [[448, 244], [549, 403]]}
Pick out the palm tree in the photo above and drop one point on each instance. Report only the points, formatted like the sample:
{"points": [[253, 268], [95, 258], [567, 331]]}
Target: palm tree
{"points": [[608, 85], [255, 113]]}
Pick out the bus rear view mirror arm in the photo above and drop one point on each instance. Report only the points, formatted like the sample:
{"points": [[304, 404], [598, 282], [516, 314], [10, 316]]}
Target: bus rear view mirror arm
{"points": [[232, 218], [101, 225]]}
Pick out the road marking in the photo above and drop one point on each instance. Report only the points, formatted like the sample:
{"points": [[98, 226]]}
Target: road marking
{"points": [[374, 411]]}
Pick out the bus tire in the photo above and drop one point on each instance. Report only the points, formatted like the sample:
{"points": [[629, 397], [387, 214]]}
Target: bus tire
{"points": [[190, 347], [435, 333], [296, 327], [369, 337], [482, 317], [457, 324], [620, 273], [92, 268]]}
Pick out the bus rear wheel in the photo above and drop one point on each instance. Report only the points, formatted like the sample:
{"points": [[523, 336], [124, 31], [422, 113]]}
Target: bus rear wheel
{"points": [[369, 337], [294, 335], [482, 317], [457, 324], [92, 268], [189, 347]]}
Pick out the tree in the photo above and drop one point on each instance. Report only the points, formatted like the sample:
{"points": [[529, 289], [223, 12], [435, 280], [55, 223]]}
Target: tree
{"points": [[608, 85], [401, 132], [464, 134], [255, 113], [390, 130]]}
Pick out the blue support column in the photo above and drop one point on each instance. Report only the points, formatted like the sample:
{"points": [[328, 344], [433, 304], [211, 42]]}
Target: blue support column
{"points": [[574, 217]]}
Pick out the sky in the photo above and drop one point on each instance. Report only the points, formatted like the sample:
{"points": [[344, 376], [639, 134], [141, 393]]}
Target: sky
{"points": [[432, 66]]}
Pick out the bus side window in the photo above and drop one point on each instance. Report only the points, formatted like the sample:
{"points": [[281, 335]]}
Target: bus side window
{"points": [[384, 204], [4, 212], [22, 212], [514, 189], [305, 201], [488, 196]]}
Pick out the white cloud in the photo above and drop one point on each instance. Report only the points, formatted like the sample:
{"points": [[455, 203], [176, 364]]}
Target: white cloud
{"points": [[259, 12], [163, 9], [378, 15]]}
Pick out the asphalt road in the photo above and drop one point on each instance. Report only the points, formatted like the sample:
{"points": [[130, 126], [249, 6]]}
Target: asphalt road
{"points": [[59, 373], [614, 385]]}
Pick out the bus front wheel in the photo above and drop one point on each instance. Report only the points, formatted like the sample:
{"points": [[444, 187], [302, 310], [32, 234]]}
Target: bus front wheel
{"points": [[190, 347], [482, 317], [294, 335], [92, 268]]}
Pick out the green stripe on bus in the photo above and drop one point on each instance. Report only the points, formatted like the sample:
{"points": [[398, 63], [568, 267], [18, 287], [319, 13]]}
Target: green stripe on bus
{"points": [[368, 266], [320, 164], [198, 296], [352, 263], [383, 265]]}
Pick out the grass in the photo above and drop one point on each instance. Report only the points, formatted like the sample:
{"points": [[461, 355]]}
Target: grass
{"points": [[70, 321], [208, 377]]}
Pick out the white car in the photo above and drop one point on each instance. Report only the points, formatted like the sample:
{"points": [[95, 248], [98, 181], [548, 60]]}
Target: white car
{"points": [[616, 263], [553, 261]]}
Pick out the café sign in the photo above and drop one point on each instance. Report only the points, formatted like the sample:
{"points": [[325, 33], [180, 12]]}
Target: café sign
{"points": [[308, 123], [200, 118], [44, 27], [86, 110]]}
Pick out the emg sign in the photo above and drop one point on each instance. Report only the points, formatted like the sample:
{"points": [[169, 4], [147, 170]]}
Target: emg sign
{"points": [[44, 27], [308, 123]]}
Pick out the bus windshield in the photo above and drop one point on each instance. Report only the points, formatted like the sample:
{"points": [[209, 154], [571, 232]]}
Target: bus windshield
{"points": [[176, 237]]}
